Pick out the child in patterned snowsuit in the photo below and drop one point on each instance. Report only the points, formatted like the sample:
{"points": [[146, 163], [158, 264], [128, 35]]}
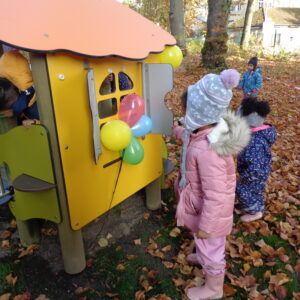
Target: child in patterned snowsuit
{"points": [[206, 185], [254, 163], [252, 79]]}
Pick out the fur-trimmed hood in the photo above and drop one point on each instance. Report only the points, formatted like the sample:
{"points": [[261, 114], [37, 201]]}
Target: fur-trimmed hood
{"points": [[231, 135]]}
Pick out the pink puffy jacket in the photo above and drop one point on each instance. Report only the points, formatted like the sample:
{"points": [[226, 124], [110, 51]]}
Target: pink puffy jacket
{"points": [[207, 200]]}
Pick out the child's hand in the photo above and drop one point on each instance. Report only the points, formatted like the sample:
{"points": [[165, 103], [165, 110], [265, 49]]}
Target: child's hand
{"points": [[202, 234], [27, 123]]}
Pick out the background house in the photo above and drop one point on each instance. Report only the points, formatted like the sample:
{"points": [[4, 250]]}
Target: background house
{"points": [[274, 28]]}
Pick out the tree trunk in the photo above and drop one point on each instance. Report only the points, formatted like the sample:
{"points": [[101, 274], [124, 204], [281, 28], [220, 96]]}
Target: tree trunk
{"points": [[177, 21], [247, 25], [215, 46]]}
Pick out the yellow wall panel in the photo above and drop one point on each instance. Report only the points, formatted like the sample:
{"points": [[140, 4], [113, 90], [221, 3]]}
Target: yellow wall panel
{"points": [[90, 186]]}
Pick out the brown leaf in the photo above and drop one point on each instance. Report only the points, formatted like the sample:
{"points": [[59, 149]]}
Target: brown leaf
{"points": [[42, 297], [281, 292], [145, 284], [152, 274], [25, 296], [131, 257], [228, 290], [5, 296], [5, 244], [5, 234], [28, 251], [111, 294], [138, 242], [168, 264], [81, 290], [11, 280], [140, 295], [175, 232], [279, 279], [120, 267], [146, 216], [167, 248], [289, 268], [13, 224]]}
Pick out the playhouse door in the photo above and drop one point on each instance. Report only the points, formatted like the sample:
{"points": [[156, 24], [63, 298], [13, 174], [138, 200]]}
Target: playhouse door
{"points": [[157, 82]]}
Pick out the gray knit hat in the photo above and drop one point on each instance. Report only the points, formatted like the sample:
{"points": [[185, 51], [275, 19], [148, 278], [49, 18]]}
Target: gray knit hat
{"points": [[207, 99]]}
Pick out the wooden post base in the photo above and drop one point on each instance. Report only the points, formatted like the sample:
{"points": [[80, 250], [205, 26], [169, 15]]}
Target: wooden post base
{"points": [[29, 232], [153, 195]]}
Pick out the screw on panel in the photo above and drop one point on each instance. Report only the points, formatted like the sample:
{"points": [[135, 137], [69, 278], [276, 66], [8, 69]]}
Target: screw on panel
{"points": [[77, 224], [41, 133], [61, 76], [66, 147]]}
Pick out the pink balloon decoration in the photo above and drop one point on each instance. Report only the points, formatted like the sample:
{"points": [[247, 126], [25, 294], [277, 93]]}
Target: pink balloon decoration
{"points": [[132, 108]]}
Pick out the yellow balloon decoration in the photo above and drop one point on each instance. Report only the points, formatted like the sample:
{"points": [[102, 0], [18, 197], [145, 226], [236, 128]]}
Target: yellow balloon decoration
{"points": [[115, 135], [171, 55]]}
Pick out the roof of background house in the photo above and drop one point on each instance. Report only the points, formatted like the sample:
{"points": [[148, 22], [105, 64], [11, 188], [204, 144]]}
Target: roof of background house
{"points": [[284, 15], [257, 20], [279, 15]]}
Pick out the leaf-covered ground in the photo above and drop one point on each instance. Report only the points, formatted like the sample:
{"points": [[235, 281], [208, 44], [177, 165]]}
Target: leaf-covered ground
{"points": [[262, 257]]}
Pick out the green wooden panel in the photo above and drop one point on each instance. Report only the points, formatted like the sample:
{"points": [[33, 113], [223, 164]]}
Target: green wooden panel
{"points": [[27, 151]]}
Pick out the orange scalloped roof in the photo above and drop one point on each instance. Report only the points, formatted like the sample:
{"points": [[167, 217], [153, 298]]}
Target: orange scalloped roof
{"points": [[87, 27]]}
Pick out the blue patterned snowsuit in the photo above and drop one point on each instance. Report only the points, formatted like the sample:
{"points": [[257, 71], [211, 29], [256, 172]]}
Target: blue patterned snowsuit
{"points": [[254, 167], [251, 81]]}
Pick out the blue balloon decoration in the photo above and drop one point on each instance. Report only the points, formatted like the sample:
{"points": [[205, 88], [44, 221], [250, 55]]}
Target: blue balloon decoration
{"points": [[142, 127]]}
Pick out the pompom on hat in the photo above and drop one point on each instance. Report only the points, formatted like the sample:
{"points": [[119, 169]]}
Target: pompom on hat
{"points": [[230, 78]]}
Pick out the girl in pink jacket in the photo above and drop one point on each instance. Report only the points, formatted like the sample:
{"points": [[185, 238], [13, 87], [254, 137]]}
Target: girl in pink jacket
{"points": [[206, 185]]}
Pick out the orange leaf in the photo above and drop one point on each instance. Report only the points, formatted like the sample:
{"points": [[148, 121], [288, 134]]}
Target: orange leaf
{"points": [[42, 297], [5, 296], [11, 280], [120, 267], [140, 295], [228, 290]]}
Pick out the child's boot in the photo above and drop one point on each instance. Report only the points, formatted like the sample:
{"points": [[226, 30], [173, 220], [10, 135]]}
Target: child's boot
{"points": [[212, 289], [251, 218]]}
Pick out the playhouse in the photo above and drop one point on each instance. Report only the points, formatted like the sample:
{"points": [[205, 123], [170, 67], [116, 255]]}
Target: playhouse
{"points": [[85, 57]]}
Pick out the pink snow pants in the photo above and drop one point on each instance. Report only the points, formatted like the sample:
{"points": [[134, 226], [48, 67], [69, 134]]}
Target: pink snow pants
{"points": [[211, 254]]}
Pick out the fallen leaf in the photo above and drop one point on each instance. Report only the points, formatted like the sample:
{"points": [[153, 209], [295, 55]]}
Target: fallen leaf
{"points": [[5, 244], [5, 296], [228, 290], [131, 257], [120, 267], [167, 248], [289, 268], [42, 297], [111, 294], [168, 264], [146, 216], [140, 295], [11, 280], [138, 242], [81, 290], [109, 236], [5, 234], [103, 242], [279, 279], [28, 251], [145, 284], [175, 232], [152, 274], [13, 224], [281, 292], [25, 296]]}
